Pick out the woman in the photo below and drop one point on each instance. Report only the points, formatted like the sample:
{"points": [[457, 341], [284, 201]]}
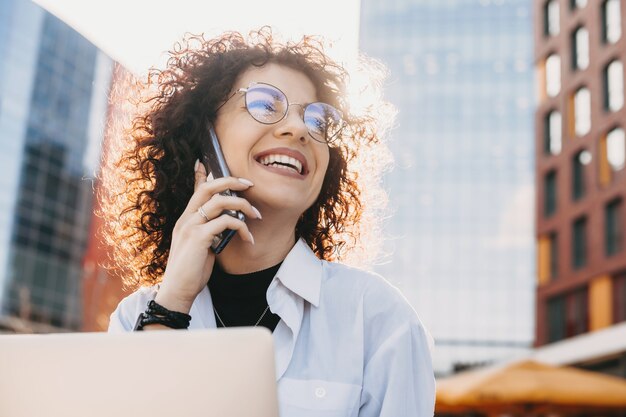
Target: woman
{"points": [[287, 136]]}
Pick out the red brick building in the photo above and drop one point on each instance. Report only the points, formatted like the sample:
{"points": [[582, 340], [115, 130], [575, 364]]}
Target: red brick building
{"points": [[580, 50]]}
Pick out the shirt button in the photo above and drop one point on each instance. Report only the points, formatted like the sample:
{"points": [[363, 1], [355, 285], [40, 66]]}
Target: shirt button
{"points": [[320, 392]]}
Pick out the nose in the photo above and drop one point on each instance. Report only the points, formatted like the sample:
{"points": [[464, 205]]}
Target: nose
{"points": [[293, 125]]}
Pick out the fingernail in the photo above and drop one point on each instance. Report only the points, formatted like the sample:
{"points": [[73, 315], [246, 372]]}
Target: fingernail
{"points": [[251, 238], [195, 166], [210, 177], [245, 182], [257, 212]]}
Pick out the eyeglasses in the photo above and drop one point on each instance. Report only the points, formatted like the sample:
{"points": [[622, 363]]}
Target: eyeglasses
{"points": [[268, 105]]}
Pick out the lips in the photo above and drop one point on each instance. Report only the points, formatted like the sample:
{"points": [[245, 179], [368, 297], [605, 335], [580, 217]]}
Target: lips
{"points": [[284, 160]]}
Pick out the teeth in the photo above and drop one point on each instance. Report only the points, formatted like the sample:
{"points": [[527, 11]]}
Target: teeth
{"points": [[276, 160]]}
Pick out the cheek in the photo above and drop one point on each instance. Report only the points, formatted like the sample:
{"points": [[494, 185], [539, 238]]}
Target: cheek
{"points": [[323, 164], [223, 134], [231, 154], [234, 147], [324, 161]]}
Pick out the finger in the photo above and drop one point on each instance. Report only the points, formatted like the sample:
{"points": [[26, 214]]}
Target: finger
{"points": [[219, 203], [199, 174], [208, 189], [223, 222]]}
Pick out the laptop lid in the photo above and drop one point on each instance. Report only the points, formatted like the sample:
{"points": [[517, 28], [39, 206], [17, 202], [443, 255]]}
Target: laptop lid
{"points": [[225, 372]]}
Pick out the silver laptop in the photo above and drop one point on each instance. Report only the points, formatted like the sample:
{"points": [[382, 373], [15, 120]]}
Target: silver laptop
{"points": [[226, 372]]}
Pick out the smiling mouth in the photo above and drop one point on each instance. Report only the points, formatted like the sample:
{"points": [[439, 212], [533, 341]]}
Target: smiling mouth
{"points": [[283, 162]]}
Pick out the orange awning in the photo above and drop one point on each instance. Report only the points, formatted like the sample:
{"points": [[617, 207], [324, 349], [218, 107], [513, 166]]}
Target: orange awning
{"points": [[528, 384]]}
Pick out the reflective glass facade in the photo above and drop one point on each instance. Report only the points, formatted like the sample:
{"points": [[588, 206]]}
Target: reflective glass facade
{"points": [[461, 234], [53, 87]]}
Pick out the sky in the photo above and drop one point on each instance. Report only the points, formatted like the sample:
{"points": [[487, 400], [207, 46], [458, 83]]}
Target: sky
{"points": [[137, 33]]}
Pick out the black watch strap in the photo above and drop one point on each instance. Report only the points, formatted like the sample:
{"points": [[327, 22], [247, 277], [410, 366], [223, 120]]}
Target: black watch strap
{"points": [[157, 314]]}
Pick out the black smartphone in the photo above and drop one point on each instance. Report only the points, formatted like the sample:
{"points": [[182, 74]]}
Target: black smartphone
{"points": [[214, 163]]}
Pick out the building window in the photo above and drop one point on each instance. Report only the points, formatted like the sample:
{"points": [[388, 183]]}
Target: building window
{"points": [[568, 315], [580, 49], [551, 18], [549, 187], [553, 75], [553, 133], [613, 227], [556, 319], [554, 255], [611, 21], [614, 86], [579, 243], [579, 161], [577, 313], [612, 152], [582, 111], [619, 298], [616, 149]]}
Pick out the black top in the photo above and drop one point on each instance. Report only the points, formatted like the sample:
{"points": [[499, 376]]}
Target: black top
{"points": [[240, 300]]}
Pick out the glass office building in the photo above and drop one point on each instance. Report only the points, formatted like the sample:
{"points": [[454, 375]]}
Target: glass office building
{"points": [[462, 191], [53, 101]]}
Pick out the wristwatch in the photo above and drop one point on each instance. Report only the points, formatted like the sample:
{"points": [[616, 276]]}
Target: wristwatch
{"points": [[157, 314]]}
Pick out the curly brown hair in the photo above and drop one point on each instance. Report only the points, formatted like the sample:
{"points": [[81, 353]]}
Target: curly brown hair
{"points": [[148, 181]]}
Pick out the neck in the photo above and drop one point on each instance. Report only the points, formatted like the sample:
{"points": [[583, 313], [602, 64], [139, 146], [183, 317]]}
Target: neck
{"points": [[274, 236]]}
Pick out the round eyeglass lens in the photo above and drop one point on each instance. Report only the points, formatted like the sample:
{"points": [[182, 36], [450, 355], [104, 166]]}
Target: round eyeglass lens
{"points": [[265, 103], [322, 120]]}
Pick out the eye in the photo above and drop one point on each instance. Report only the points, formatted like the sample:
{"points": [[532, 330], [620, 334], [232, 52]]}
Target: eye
{"points": [[322, 120], [269, 106], [259, 105], [315, 118], [315, 124]]}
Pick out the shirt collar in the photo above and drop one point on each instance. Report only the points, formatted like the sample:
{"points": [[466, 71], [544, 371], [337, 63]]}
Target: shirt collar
{"points": [[301, 272]]}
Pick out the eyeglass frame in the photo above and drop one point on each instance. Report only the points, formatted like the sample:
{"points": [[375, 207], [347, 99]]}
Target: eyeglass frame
{"points": [[304, 107]]}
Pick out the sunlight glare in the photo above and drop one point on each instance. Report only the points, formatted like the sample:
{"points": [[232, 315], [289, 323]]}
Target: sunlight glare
{"points": [[138, 33]]}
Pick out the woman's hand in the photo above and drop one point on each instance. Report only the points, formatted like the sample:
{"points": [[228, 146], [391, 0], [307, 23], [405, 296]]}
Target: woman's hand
{"points": [[191, 259]]}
